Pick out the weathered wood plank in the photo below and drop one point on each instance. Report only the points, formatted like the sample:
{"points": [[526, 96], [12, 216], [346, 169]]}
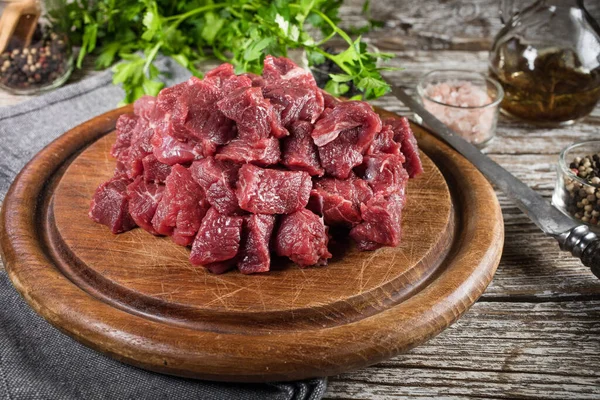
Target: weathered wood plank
{"points": [[498, 350]]}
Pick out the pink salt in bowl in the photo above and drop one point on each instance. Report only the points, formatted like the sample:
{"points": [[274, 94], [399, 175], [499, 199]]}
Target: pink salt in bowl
{"points": [[468, 102]]}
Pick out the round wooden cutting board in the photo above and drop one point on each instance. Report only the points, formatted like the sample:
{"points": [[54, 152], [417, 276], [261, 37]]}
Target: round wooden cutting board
{"points": [[137, 298]]}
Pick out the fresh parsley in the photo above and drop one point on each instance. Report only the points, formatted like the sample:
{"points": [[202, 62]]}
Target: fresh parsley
{"points": [[242, 32]]}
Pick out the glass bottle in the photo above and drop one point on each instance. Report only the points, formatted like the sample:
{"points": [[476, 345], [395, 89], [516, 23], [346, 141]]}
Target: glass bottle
{"points": [[35, 53], [547, 58]]}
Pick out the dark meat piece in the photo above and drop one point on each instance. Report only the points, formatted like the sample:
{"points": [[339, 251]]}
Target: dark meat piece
{"points": [[140, 147], [255, 116], [181, 208], [270, 191], [345, 116], [384, 143], [154, 170], [223, 71], [218, 240], [257, 80], [328, 100], [145, 107], [278, 69], [295, 102], [143, 200], [340, 156], [261, 152], [254, 251], [339, 200], [405, 136], [125, 125], [303, 238], [382, 222], [217, 178], [299, 151], [110, 206], [384, 173], [171, 151]]}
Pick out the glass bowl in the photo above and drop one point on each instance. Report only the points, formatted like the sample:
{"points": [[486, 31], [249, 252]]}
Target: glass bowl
{"points": [[578, 194], [466, 101]]}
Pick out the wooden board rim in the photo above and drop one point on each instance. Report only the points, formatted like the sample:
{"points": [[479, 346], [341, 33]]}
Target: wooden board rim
{"points": [[357, 344]]}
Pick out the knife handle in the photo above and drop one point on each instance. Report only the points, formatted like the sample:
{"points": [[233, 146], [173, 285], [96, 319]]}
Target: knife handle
{"points": [[583, 244]]}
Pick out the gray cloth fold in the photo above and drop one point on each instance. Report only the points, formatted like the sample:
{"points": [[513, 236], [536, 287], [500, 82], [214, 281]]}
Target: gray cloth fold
{"points": [[36, 360]]}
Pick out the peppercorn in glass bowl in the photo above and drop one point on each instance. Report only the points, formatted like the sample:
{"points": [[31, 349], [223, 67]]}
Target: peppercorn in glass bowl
{"points": [[577, 190], [35, 53], [466, 101]]}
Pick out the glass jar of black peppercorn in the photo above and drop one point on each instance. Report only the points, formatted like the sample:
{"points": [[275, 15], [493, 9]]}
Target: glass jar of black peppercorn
{"points": [[35, 53]]}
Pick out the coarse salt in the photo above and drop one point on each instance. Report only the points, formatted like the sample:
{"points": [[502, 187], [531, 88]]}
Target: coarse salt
{"points": [[474, 124]]}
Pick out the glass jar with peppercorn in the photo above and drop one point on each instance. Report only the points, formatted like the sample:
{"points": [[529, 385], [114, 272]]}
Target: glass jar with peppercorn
{"points": [[35, 53]]}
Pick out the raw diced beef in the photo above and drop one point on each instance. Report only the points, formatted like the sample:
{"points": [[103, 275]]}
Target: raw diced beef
{"points": [[217, 240], [328, 100], [303, 238], [171, 112], [110, 206], [139, 148], [299, 151], [340, 156], [381, 224], [261, 152], [254, 251], [405, 136], [255, 116], [154, 170], [294, 102], [270, 191], [208, 171], [145, 107], [277, 69], [344, 116], [384, 143], [143, 200], [384, 173], [181, 208], [205, 122], [224, 70], [257, 80], [339, 200], [171, 151], [217, 178], [125, 126], [120, 170]]}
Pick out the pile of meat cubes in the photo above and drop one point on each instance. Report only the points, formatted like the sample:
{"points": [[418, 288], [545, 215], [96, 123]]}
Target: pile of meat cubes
{"points": [[243, 166]]}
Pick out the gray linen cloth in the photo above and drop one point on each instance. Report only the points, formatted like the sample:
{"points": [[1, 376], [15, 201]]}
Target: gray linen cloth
{"points": [[36, 360]]}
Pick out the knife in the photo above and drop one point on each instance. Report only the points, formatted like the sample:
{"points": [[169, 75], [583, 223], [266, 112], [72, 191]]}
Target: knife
{"points": [[572, 237]]}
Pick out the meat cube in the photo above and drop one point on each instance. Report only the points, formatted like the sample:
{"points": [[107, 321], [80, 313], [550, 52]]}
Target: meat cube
{"points": [[278, 69], [348, 115], [339, 200], [145, 107], [255, 116], [302, 236], [342, 154], [254, 251], [171, 151], [154, 170], [218, 240], [294, 102], [384, 173], [143, 200], [209, 170], [405, 136], [384, 143], [224, 70], [381, 224], [299, 151], [182, 207], [270, 191], [260, 152], [328, 100], [257, 80], [125, 126], [139, 148], [110, 205]]}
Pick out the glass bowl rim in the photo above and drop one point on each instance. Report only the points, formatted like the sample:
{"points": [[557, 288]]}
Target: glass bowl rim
{"points": [[495, 83], [562, 162]]}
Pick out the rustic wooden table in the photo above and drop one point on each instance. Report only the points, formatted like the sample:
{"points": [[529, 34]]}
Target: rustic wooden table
{"points": [[535, 331]]}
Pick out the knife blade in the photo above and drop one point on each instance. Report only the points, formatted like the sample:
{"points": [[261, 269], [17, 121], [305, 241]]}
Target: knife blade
{"points": [[573, 237]]}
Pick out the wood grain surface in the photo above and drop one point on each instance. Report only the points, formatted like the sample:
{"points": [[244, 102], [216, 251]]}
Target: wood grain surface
{"points": [[534, 332], [136, 297]]}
